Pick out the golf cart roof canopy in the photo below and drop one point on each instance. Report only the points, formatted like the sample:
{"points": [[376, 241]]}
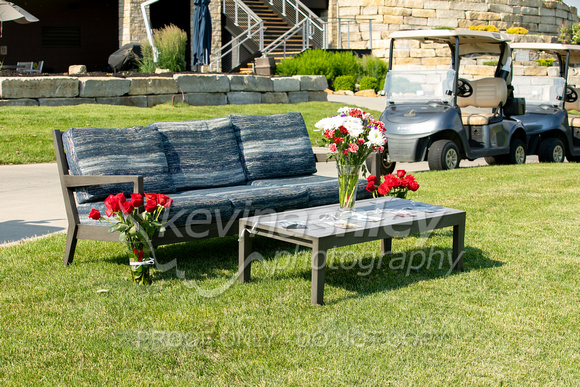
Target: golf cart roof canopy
{"points": [[470, 42], [552, 48]]}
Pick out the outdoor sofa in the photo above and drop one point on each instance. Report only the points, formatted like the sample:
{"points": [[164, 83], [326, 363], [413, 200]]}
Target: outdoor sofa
{"points": [[215, 170]]}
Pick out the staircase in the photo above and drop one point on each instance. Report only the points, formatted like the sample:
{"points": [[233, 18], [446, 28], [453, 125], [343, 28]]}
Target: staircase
{"points": [[276, 26]]}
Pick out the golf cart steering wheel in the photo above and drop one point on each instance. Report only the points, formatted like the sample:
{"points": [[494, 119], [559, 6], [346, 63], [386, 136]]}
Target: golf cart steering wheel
{"points": [[464, 89], [571, 94]]}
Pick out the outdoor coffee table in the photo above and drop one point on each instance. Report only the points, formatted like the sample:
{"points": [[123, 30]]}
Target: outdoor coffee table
{"points": [[319, 229]]}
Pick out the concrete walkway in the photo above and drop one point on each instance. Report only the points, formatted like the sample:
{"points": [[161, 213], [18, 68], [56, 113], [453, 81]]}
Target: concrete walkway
{"points": [[31, 198]]}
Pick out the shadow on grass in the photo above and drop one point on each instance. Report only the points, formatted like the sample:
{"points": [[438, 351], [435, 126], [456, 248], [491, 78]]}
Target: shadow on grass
{"points": [[216, 261]]}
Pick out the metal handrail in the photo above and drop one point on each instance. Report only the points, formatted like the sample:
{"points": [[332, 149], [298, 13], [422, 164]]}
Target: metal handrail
{"points": [[295, 12], [303, 26], [244, 18]]}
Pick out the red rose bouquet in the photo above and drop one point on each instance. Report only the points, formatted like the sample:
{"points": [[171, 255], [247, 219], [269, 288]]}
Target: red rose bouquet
{"points": [[136, 227], [392, 185]]}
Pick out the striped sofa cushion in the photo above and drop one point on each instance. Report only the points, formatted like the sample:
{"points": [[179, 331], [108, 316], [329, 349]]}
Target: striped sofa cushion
{"points": [[127, 151], [274, 146], [201, 153]]}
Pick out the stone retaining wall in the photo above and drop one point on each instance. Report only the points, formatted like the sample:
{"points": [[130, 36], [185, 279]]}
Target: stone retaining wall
{"points": [[197, 90], [537, 16]]}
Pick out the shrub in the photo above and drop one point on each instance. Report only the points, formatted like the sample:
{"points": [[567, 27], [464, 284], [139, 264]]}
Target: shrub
{"points": [[484, 27], [320, 62], [517, 31], [344, 82], [373, 67], [545, 62], [565, 34], [171, 43], [369, 83], [444, 28], [490, 63]]}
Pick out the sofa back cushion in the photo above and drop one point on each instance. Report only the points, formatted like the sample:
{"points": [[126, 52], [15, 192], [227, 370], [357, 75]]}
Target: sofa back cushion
{"points": [[201, 153], [274, 146], [126, 151]]}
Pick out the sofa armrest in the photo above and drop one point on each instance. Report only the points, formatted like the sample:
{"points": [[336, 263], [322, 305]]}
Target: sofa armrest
{"points": [[71, 181], [320, 154]]}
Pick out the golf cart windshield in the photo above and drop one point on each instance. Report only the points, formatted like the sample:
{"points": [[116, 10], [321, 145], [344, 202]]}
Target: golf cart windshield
{"points": [[539, 90], [419, 85]]}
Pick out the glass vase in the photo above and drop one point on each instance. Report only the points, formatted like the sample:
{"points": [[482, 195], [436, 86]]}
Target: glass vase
{"points": [[140, 265], [348, 176]]}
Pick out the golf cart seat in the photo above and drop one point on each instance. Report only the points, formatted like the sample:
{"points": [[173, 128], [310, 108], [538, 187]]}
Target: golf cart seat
{"points": [[573, 121], [487, 93]]}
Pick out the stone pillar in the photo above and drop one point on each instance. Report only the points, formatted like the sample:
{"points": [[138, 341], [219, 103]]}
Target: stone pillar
{"points": [[131, 22]]}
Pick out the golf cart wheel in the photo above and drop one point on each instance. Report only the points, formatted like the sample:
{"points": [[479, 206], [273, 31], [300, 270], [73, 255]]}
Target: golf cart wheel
{"points": [[517, 152], [494, 160], [551, 151], [443, 155], [387, 167]]}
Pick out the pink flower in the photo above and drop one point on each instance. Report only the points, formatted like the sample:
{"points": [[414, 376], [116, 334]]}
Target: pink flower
{"points": [[352, 147], [332, 148]]}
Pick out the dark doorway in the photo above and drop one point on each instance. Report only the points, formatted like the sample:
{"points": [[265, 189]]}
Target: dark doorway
{"points": [[69, 32], [177, 12]]}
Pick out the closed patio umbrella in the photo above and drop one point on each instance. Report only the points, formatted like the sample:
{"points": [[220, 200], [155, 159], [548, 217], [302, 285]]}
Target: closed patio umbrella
{"points": [[201, 40]]}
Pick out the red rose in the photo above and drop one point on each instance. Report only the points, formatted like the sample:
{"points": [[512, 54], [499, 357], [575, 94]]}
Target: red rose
{"points": [[393, 181], [151, 205], [164, 200], [401, 173], [151, 196], [413, 185], [112, 204], [372, 178], [95, 214], [137, 199], [139, 254], [121, 198], [371, 186], [127, 207], [384, 188]]}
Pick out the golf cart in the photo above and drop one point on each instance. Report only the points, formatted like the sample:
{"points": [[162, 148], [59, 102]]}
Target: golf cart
{"points": [[427, 115], [551, 133]]}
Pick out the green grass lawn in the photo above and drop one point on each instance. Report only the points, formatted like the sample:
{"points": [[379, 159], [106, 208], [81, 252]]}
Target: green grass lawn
{"points": [[26, 132], [510, 318]]}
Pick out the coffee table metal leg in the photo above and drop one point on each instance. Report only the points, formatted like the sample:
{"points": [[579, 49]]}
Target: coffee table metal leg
{"points": [[318, 268], [244, 251], [386, 245], [458, 245]]}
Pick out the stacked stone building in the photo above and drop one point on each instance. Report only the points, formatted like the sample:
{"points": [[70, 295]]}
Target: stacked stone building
{"points": [[362, 20]]}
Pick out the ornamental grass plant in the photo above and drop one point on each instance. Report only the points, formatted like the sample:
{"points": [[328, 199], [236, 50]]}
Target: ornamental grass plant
{"points": [[511, 318]]}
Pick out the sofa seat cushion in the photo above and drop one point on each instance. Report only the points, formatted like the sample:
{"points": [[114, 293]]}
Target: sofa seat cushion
{"points": [[201, 153], [322, 190], [127, 151], [247, 200], [188, 206], [274, 146]]}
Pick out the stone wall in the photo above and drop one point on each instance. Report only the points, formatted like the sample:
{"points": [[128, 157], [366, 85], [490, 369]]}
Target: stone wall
{"points": [[132, 25], [537, 16], [197, 90]]}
